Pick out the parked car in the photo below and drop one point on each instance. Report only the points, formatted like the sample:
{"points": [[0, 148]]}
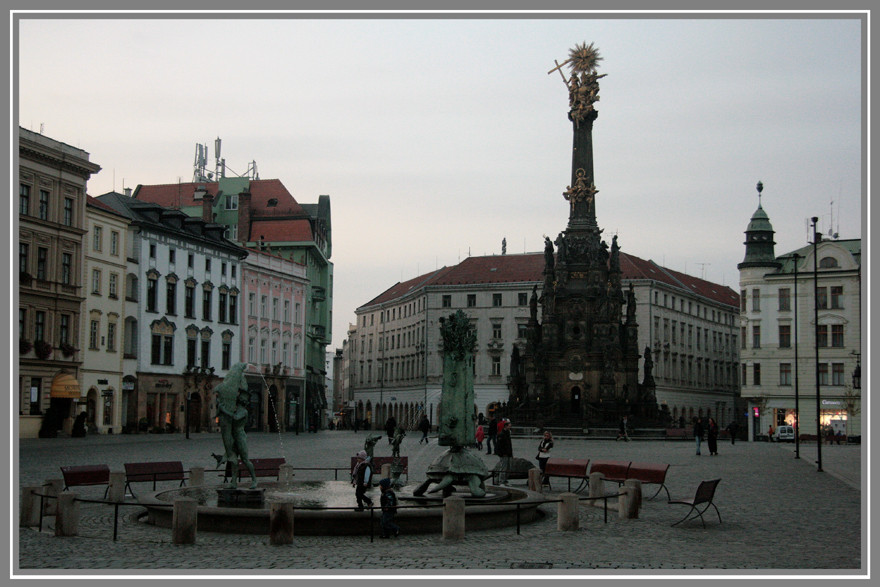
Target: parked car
{"points": [[784, 434]]}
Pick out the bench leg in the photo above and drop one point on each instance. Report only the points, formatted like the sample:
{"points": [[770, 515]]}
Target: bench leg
{"points": [[659, 489]]}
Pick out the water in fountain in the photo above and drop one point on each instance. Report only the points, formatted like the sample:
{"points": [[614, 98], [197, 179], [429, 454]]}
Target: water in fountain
{"points": [[274, 407]]}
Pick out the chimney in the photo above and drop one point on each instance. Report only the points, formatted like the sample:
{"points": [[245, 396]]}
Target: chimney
{"points": [[127, 192], [244, 217], [208, 208]]}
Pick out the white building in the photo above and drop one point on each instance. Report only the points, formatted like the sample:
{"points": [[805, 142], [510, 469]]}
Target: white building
{"points": [[393, 351], [105, 270], [780, 298]]}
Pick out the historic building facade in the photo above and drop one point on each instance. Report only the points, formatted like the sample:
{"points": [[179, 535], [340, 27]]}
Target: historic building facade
{"points": [[52, 178], [183, 332], [781, 296], [392, 357], [104, 316], [274, 293]]}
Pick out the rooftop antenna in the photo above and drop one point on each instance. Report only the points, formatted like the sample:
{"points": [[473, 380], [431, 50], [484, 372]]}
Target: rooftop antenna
{"points": [[703, 269], [831, 232]]}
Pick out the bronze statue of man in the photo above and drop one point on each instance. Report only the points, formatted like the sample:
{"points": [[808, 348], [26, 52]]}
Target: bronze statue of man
{"points": [[232, 402]]}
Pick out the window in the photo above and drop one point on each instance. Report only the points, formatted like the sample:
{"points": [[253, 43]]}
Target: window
{"points": [[207, 265], [837, 335], [162, 349], [132, 288], [223, 269], [93, 334], [206, 353], [68, 212], [221, 307], [756, 336], [190, 260], [171, 297], [22, 321], [44, 205], [496, 366], [96, 281], [275, 351], [251, 350], [252, 304], [446, 301], [111, 336], [496, 331], [756, 373], [168, 350], [64, 329], [232, 201], [784, 336], [836, 373], [40, 326], [822, 297], [784, 299], [113, 287], [785, 374], [287, 312], [42, 259], [206, 305], [22, 258], [823, 373], [742, 300], [263, 351], [828, 263], [191, 352], [496, 300], [151, 294], [152, 250], [66, 271], [756, 300], [274, 308], [522, 330], [114, 243], [263, 304], [233, 268], [189, 301], [225, 356], [98, 237], [24, 199], [523, 299], [837, 297], [172, 255], [822, 335], [471, 300], [233, 312]]}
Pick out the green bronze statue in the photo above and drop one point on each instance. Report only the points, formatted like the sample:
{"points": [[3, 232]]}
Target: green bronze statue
{"points": [[457, 466], [232, 402]]}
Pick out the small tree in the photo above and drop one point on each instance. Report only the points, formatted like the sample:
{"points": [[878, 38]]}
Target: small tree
{"points": [[852, 398]]}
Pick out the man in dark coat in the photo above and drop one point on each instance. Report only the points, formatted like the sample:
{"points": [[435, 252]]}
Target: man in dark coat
{"points": [[733, 428], [504, 449], [492, 436], [390, 427], [698, 432]]}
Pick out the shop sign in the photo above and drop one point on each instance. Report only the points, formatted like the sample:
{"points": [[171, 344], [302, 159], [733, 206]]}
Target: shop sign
{"points": [[128, 385], [832, 402]]}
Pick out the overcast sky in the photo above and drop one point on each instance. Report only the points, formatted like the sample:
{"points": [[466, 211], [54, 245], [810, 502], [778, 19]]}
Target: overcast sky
{"points": [[438, 138]]}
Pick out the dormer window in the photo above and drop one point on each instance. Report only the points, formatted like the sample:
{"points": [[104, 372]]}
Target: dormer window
{"points": [[272, 202]]}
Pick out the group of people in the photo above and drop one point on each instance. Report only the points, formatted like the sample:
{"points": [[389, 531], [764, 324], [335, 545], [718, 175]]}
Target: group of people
{"points": [[711, 431], [361, 478]]}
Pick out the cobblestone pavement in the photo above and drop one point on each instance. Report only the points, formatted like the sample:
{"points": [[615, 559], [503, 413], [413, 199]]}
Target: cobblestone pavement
{"points": [[777, 512]]}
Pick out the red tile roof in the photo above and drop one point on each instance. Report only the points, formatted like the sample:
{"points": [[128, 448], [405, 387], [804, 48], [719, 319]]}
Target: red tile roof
{"points": [[179, 195], [529, 267], [280, 230]]}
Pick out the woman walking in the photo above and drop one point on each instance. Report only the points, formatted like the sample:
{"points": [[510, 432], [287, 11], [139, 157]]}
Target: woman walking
{"points": [[712, 436]]}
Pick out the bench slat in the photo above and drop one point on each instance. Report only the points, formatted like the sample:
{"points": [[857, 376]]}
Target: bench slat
{"points": [[78, 475], [159, 471]]}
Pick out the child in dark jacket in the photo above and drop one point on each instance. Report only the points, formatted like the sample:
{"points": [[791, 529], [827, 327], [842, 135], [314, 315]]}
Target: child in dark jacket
{"points": [[388, 501]]}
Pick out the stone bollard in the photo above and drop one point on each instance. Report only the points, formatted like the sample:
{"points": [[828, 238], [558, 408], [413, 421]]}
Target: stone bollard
{"points": [[30, 507], [196, 476], [453, 518], [285, 473], [386, 471], [67, 518], [567, 513], [627, 506], [535, 480], [281, 522], [116, 490], [637, 486], [597, 484], [53, 487], [184, 521]]}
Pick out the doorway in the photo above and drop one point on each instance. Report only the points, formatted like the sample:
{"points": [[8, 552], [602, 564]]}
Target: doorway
{"points": [[576, 401]]}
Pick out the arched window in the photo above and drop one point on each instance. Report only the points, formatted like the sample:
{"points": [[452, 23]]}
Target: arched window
{"points": [[828, 263]]}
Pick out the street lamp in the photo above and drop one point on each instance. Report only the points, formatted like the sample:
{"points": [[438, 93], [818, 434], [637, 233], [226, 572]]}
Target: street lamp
{"points": [[816, 236]]}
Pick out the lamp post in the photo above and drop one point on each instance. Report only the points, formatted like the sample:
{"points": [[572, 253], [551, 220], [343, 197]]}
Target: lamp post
{"points": [[797, 413], [816, 236]]}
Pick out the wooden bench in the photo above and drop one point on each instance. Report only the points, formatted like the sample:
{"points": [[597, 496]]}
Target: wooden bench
{"points": [[78, 475], [155, 471], [676, 434], [267, 467], [650, 473], [377, 462], [613, 470], [570, 469]]}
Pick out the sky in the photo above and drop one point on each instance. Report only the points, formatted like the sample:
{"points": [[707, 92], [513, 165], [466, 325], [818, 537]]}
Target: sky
{"points": [[437, 138]]}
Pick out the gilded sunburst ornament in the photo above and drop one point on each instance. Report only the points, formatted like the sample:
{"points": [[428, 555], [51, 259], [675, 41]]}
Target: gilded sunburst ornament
{"points": [[584, 58]]}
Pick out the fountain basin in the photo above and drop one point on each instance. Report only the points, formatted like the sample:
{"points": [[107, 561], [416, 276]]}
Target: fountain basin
{"points": [[497, 509]]}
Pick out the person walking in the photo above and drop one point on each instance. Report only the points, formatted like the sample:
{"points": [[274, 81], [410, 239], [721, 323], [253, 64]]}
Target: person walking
{"points": [[712, 436], [390, 427], [770, 432], [479, 435], [732, 429], [492, 436], [361, 478], [698, 433], [544, 454], [425, 427], [504, 449], [621, 433], [388, 502]]}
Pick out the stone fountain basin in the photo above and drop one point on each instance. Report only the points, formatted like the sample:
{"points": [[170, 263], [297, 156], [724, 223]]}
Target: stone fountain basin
{"points": [[497, 509]]}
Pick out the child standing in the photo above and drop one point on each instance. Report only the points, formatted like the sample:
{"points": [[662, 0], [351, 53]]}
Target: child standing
{"points": [[361, 478], [388, 501], [479, 435]]}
